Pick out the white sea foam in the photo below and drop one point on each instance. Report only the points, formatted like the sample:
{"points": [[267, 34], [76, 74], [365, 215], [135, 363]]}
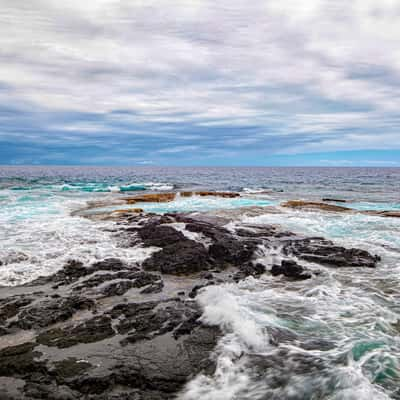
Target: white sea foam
{"points": [[222, 307], [159, 186], [323, 310], [196, 236], [37, 238], [230, 381], [256, 190], [148, 186]]}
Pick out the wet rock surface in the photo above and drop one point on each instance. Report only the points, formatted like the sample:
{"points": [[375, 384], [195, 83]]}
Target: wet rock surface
{"points": [[313, 205], [181, 255], [151, 198], [47, 312], [327, 206], [291, 269], [114, 330], [325, 252]]}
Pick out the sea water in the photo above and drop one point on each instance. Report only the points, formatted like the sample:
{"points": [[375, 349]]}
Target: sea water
{"points": [[342, 327]]}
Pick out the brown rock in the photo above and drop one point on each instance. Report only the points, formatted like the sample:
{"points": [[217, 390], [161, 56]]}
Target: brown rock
{"points": [[392, 214], [186, 194], [151, 198], [313, 205]]}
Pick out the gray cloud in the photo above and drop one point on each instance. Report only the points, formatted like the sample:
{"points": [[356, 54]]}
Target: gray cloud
{"points": [[324, 72]]}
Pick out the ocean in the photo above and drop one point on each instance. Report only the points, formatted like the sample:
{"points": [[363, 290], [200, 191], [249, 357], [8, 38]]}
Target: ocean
{"points": [[351, 315]]}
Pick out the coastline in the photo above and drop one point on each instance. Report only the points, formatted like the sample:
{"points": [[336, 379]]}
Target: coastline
{"points": [[110, 329], [284, 297]]}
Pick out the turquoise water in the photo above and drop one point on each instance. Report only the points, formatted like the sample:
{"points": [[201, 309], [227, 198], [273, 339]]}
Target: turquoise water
{"points": [[91, 186]]}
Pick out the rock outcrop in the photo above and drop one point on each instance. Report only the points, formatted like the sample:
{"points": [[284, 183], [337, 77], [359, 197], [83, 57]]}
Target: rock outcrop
{"points": [[325, 252], [151, 198], [290, 269], [217, 248], [388, 214], [86, 333], [314, 205]]}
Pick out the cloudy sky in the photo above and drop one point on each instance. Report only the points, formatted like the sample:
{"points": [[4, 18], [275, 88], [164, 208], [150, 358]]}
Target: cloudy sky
{"points": [[200, 82]]}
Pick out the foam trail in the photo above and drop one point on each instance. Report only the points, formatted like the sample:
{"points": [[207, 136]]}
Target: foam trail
{"points": [[222, 308], [242, 334], [38, 235]]}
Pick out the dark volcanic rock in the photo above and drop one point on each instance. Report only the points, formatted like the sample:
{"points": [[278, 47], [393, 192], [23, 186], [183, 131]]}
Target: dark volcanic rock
{"points": [[325, 252], [72, 271], [154, 234], [69, 367], [117, 288], [156, 287], [180, 255], [153, 369], [184, 257], [226, 248], [249, 269], [290, 269], [231, 252], [109, 264], [48, 312], [19, 360], [10, 307], [93, 330], [145, 321], [75, 270], [127, 280]]}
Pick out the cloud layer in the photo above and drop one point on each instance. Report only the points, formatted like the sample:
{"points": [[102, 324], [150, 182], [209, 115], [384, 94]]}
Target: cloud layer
{"points": [[203, 80]]}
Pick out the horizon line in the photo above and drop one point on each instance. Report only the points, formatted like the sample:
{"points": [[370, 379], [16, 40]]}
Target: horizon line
{"points": [[197, 166]]}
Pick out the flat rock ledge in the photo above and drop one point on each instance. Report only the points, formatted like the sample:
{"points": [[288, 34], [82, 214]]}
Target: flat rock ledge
{"points": [[112, 330], [326, 206]]}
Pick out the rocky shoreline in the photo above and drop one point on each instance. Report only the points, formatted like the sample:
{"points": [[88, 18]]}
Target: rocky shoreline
{"points": [[111, 330], [326, 205]]}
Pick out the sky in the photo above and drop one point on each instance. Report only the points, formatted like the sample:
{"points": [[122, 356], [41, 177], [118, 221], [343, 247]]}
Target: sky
{"points": [[200, 82]]}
